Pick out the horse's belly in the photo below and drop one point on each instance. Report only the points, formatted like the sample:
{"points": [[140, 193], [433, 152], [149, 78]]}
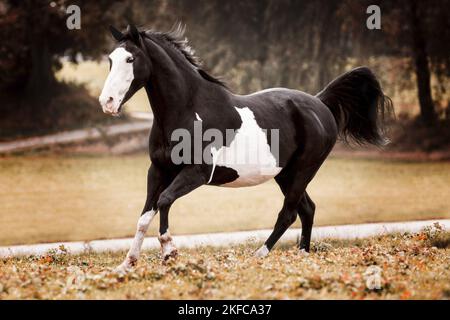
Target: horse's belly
{"points": [[252, 176]]}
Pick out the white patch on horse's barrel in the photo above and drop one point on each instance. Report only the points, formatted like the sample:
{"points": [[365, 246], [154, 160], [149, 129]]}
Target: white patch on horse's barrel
{"points": [[249, 154], [118, 82]]}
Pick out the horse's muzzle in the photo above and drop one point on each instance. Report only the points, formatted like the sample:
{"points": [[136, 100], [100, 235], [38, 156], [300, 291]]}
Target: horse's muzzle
{"points": [[109, 106]]}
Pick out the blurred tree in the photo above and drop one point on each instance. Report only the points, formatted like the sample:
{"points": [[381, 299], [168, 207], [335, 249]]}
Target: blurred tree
{"points": [[426, 21], [254, 43], [416, 30], [37, 37]]}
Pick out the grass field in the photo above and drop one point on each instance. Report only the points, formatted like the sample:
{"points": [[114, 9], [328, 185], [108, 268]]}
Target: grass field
{"points": [[59, 198], [407, 266]]}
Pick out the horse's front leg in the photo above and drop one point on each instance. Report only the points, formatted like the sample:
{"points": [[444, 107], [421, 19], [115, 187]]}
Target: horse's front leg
{"points": [[189, 178], [155, 185]]}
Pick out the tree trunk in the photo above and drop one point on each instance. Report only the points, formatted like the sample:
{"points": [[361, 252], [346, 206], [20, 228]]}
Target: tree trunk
{"points": [[41, 79], [427, 111]]}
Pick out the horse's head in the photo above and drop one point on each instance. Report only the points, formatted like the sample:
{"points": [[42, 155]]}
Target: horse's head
{"points": [[129, 70]]}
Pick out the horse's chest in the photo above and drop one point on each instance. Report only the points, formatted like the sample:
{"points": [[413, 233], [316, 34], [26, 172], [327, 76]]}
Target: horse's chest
{"points": [[161, 156]]}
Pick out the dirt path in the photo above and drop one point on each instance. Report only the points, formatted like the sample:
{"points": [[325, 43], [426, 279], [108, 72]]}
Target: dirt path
{"points": [[75, 137]]}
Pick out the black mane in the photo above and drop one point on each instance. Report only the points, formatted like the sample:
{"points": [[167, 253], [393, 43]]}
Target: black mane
{"points": [[177, 39]]}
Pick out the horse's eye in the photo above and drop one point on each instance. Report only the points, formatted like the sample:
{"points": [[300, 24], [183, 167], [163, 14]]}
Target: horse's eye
{"points": [[130, 59]]}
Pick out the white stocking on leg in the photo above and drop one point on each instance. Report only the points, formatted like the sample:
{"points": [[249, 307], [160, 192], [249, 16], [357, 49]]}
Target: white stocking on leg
{"points": [[168, 249], [135, 250]]}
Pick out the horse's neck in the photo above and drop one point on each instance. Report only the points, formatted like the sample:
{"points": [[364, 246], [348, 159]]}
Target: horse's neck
{"points": [[170, 90], [174, 89], [173, 93]]}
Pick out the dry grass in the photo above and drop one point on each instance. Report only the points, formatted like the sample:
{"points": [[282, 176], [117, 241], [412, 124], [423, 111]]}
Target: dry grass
{"points": [[406, 265], [57, 198]]}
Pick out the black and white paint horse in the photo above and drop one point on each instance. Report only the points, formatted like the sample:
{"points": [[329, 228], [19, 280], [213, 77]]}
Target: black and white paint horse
{"points": [[180, 93]]}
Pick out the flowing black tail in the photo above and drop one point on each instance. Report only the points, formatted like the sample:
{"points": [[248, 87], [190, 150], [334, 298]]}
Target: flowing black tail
{"points": [[358, 105]]}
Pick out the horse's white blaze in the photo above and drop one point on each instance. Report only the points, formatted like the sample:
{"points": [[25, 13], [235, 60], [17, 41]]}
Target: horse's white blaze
{"points": [[118, 81], [135, 250], [262, 252], [249, 154]]}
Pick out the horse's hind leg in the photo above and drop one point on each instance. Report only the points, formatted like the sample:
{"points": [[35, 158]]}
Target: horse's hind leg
{"points": [[293, 185], [285, 219], [293, 181], [306, 210]]}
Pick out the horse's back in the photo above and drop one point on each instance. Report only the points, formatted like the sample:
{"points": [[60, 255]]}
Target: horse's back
{"points": [[283, 101], [297, 114]]}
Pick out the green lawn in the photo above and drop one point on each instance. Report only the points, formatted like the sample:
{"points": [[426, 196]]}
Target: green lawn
{"points": [[56, 198]]}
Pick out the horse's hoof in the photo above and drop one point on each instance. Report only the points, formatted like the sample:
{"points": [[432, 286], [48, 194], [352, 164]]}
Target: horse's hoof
{"points": [[170, 255], [122, 269], [262, 252], [303, 253], [127, 265], [168, 250]]}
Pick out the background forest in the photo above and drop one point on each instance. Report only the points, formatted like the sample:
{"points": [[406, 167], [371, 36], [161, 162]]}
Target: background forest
{"points": [[252, 44]]}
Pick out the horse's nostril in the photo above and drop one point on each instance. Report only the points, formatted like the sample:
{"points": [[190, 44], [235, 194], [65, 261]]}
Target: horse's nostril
{"points": [[109, 103]]}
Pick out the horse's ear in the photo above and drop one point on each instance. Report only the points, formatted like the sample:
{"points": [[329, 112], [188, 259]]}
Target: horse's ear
{"points": [[116, 33], [134, 33]]}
